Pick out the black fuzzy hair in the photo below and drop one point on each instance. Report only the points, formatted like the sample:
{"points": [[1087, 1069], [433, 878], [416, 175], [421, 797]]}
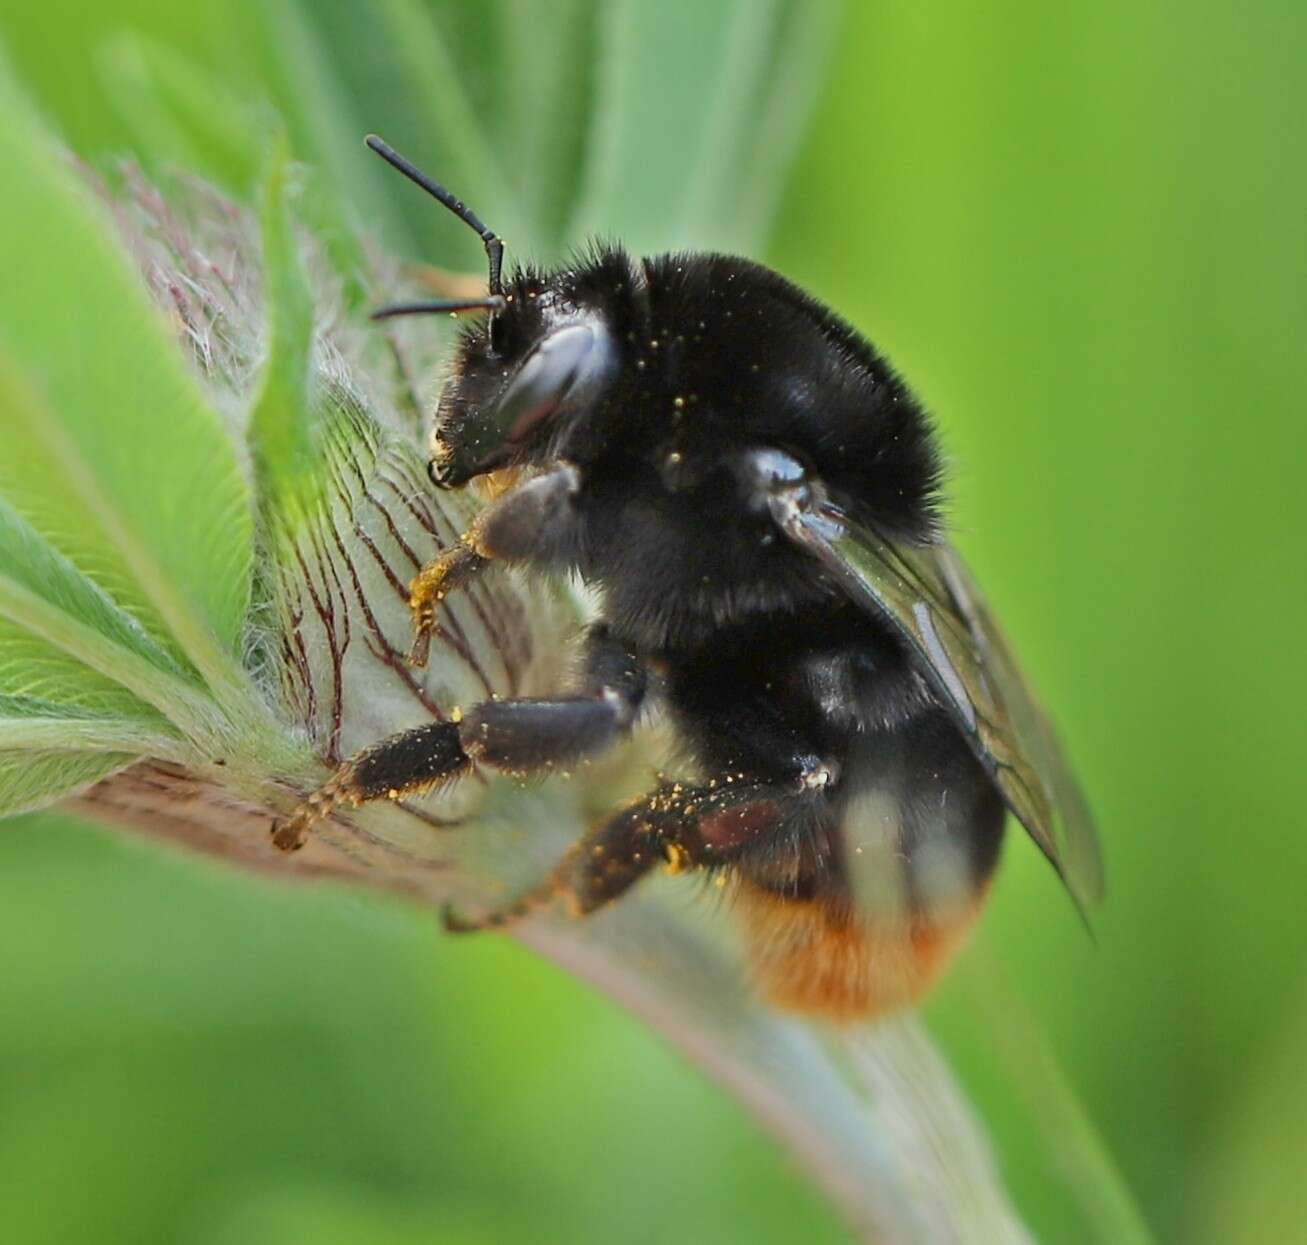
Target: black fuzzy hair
{"points": [[788, 371]]}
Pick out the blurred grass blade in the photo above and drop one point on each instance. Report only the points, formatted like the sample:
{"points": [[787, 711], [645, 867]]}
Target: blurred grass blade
{"points": [[1252, 1158], [286, 58], [125, 470], [665, 165], [462, 149], [729, 109], [1071, 1147], [137, 99], [547, 83], [789, 89], [180, 113], [641, 137]]}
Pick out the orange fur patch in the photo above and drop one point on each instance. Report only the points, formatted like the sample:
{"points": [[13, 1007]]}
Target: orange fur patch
{"points": [[821, 958]]}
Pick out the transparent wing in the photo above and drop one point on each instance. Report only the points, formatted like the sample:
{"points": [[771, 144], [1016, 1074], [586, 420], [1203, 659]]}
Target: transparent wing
{"points": [[931, 601]]}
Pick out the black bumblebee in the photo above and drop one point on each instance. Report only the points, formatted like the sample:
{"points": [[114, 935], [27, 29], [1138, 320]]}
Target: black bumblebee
{"points": [[755, 495]]}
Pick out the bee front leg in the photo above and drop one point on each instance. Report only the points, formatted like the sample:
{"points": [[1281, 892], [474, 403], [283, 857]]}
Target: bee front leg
{"points": [[515, 736], [533, 522], [454, 569]]}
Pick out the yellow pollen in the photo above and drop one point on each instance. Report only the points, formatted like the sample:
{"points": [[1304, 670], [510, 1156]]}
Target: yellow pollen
{"points": [[677, 858]]}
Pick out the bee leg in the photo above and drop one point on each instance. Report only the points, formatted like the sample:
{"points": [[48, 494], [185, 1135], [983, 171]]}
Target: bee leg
{"points": [[406, 764], [455, 568], [516, 736], [528, 523], [677, 827]]}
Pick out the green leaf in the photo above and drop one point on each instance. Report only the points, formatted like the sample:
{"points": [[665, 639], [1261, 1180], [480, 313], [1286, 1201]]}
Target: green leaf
{"points": [[29, 724], [280, 432], [31, 780], [31, 565], [114, 665], [33, 667], [114, 458]]}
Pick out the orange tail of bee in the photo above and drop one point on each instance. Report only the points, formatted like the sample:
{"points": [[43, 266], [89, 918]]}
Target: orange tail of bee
{"points": [[822, 958]]}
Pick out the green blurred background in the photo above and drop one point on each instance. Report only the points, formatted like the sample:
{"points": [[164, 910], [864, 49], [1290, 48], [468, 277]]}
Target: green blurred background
{"points": [[1079, 231]]}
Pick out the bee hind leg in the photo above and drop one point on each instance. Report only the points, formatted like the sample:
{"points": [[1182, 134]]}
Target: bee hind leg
{"points": [[677, 827]]}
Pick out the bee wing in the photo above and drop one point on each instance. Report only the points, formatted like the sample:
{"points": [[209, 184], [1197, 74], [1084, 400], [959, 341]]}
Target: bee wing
{"points": [[928, 597]]}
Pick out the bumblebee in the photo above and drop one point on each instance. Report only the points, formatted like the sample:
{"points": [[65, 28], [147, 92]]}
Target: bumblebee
{"points": [[755, 496]]}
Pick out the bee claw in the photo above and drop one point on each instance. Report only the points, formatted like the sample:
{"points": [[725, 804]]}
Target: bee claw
{"points": [[421, 647], [523, 906], [291, 833]]}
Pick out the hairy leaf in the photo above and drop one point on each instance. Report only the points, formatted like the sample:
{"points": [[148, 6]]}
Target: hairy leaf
{"points": [[119, 464], [33, 778]]}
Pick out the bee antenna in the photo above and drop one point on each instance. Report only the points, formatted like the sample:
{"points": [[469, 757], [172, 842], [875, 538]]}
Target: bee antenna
{"points": [[495, 302], [493, 243]]}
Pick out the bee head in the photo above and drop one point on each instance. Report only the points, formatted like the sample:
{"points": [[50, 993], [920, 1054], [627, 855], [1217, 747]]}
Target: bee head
{"points": [[545, 353], [522, 380]]}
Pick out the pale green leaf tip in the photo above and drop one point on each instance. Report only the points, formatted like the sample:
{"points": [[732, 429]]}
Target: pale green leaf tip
{"points": [[281, 431]]}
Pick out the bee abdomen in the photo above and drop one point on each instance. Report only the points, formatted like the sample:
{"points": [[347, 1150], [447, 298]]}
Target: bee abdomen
{"points": [[820, 957]]}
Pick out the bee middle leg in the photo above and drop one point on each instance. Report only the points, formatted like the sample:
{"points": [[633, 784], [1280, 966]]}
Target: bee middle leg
{"points": [[515, 736], [679, 827]]}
